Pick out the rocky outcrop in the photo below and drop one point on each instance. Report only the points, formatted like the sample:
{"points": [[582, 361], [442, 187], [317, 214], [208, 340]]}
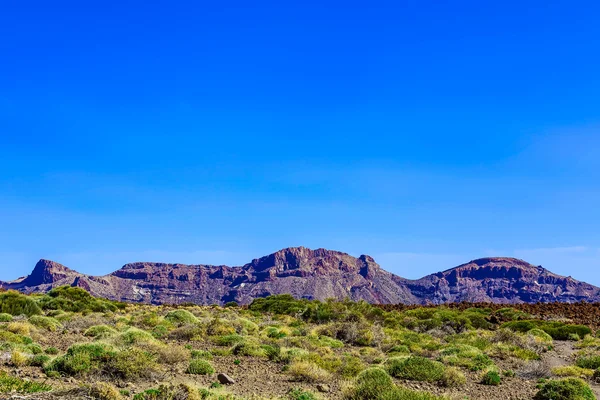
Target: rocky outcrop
{"points": [[501, 280], [315, 274]]}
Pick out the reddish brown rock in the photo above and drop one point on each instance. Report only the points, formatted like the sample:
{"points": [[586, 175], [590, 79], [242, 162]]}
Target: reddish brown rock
{"points": [[315, 274]]}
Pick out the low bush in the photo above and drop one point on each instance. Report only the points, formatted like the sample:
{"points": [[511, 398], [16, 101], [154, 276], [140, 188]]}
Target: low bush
{"points": [[104, 391], [19, 359], [11, 384], [565, 389], [76, 299], [308, 371], [228, 340], [219, 327], [491, 378], [371, 383], [248, 349], [4, 317], [300, 394], [588, 361], [540, 334], [181, 317], [100, 331], [39, 360], [82, 359], [52, 351], [376, 384], [535, 370], [20, 328], [171, 392], [557, 330], [47, 323], [171, 354], [453, 377], [15, 303], [200, 367], [573, 371], [415, 368], [135, 336], [132, 363]]}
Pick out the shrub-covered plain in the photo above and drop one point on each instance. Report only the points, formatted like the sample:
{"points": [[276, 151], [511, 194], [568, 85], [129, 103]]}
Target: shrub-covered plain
{"points": [[67, 341]]}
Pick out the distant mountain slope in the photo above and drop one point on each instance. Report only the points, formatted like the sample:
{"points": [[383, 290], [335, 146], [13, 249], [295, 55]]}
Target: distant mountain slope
{"points": [[501, 280], [314, 274]]}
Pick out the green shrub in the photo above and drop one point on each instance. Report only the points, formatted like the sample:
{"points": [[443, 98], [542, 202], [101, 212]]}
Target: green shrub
{"points": [[15, 303], [81, 359], [557, 330], [52, 351], [351, 367], [491, 378], [131, 363], [100, 331], [200, 367], [104, 391], [39, 360], [229, 340], [540, 334], [136, 336], [415, 368], [371, 383], [248, 349], [376, 384], [11, 384], [308, 371], [48, 323], [171, 392], [272, 352], [573, 371], [480, 362], [220, 327], [565, 389], [588, 361], [181, 317], [231, 304], [76, 299], [4, 317], [453, 377], [299, 394]]}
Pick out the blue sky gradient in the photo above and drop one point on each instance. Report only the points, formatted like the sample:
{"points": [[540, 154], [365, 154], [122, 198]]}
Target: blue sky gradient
{"points": [[425, 134]]}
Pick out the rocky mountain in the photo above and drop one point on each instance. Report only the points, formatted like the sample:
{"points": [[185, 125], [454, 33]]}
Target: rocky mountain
{"points": [[314, 274]]}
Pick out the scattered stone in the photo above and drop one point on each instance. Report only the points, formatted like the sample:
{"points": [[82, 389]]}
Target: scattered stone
{"points": [[225, 379]]}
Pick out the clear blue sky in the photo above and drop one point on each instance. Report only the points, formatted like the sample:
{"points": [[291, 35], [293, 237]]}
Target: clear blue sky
{"points": [[425, 134]]}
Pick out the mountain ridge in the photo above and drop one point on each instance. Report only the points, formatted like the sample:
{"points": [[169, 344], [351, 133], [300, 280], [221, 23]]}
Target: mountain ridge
{"points": [[315, 274]]}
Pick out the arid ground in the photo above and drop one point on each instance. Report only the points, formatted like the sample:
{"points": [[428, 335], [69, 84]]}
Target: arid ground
{"points": [[67, 344]]}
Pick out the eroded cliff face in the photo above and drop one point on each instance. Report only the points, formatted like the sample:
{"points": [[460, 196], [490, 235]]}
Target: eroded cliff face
{"points": [[315, 274]]}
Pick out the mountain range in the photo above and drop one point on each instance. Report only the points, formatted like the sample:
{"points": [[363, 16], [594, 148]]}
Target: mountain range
{"points": [[315, 274]]}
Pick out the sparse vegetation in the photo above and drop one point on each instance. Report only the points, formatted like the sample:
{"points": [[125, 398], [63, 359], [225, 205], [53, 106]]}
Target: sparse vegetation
{"points": [[318, 348], [415, 368], [565, 389], [12, 384]]}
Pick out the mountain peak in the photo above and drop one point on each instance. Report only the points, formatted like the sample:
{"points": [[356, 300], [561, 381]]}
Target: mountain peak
{"points": [[497, 262], [45, 272]]}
